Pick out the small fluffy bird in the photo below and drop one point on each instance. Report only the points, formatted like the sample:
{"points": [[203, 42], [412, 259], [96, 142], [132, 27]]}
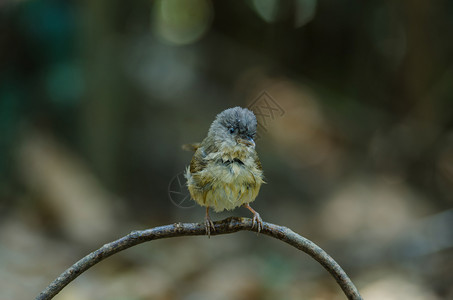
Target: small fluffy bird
{"points": [[225, 171]]}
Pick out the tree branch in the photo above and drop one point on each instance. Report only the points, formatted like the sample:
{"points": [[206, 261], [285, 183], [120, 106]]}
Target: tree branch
{"points": [[228, 225]]}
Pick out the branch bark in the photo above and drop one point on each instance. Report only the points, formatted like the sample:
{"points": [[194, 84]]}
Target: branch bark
{"points": [[228, 225]]}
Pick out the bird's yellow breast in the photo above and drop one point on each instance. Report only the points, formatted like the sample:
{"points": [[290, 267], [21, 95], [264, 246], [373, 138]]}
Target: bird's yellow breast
{"points": [[225, 184]]}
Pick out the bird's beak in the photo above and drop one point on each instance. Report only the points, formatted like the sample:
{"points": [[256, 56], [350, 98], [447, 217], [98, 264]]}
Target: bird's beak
{"points": [[249, 142]]}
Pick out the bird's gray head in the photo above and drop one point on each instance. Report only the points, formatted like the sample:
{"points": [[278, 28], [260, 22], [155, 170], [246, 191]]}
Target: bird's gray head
{"points": [[234, 126]]}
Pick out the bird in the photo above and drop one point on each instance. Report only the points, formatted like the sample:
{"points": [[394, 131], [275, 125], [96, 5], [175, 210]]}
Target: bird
{"points": [[225, 171]]}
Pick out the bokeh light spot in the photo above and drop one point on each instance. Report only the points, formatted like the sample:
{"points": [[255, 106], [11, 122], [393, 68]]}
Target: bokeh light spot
{"points": [[182, 22]]}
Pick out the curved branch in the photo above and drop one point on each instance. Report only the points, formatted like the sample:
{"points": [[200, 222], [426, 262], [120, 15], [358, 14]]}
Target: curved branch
{"points": [[228, 225]]}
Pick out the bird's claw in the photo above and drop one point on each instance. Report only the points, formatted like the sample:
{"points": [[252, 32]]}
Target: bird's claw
{"points": [[258, 221], [209, 225]]}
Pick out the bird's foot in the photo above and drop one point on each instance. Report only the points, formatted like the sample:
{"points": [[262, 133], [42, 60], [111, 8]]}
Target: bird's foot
{"points": [[257, 221], [256, 218], [208, 224]]}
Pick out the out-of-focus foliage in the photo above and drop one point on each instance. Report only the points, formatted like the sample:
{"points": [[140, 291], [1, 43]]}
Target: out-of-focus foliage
{"points": [[354, 101]]}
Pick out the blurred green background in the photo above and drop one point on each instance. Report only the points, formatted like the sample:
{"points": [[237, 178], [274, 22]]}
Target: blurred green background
{"points": [[97, 97]]}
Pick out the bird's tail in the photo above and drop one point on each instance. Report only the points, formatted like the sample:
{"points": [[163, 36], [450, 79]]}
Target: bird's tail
{"points": [[191, 147]]}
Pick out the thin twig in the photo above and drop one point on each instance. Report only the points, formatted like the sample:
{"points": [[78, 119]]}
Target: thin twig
{"points": [[228, 225]]}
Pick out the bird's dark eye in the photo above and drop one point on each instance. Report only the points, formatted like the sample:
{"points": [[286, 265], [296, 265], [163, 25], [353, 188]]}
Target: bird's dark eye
{"points": [[231, 130]]}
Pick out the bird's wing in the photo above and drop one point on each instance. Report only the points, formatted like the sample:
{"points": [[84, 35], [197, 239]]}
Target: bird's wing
{"points": [[257, 162], [202, 155], [198, 161]]}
